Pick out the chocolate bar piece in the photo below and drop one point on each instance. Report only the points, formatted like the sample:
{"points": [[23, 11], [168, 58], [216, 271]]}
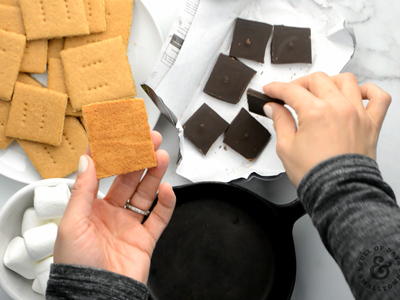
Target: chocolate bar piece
{"points": [[204, 127], [246, 135], [228, 79], [291, 45], [250, 39], [257, 100]]}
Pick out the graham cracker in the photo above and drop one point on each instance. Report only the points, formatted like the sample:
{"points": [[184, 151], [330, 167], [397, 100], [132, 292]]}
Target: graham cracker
{"points": [[35, 55], [12, 47], [96, 15], [118, 19], [4, 112], [47, 19], [56, 82], [37, 114], [119, 136], [58, 162], [55, 47], [10, 2], [97, 72], [28, 79]]}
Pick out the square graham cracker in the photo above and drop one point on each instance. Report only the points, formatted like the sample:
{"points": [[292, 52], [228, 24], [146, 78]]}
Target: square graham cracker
{"points": [[55, 47], [35, 55], [4, 112], [97, 72], [47, 19], [12, 47], [56, 82], [37, 114], [118, 19], [60, 161], [119, 136], [96, 15]]}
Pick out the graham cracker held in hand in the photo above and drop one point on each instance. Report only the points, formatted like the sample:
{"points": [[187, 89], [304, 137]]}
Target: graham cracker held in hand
{"points": [[12, 47], [37, 114], [47, 19], [35, 55], [4, 112], [60, 161], [119, 137], [118, 19], [97, 72]]}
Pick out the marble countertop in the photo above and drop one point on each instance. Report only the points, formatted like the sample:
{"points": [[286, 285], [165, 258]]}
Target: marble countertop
{"points": [[377, 28]]}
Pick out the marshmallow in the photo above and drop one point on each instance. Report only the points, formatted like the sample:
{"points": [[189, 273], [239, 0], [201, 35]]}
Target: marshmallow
{"points": [[16, 258], [36, 287], [39, 241], [30, 220], [43, 272], [50, 202]]}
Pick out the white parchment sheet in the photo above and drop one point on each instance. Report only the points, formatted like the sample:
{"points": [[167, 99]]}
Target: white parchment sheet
{"points": [[208, 34]]}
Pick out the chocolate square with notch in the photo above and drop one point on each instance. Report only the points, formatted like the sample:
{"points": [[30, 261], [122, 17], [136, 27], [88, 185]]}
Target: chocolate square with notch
{"points": [[204, 127], [246, 135], [291, 45], [250, 39], [257, 100], [228, 79]]}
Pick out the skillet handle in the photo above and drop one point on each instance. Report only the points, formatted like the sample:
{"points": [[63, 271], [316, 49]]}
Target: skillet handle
{"points": [[290, 212]]}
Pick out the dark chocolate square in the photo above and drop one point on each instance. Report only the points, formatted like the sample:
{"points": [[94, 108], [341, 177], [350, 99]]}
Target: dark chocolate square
{"points": [[257, 100], [204, 127], [246, 135], [291, 45], [250, 39], [228, 79]]}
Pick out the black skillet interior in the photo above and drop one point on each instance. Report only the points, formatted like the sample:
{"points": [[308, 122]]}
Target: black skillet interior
{"points": [[224, 242]]}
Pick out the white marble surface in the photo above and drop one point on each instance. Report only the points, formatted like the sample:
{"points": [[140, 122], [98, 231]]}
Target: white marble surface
{"points": [[377, 28]]}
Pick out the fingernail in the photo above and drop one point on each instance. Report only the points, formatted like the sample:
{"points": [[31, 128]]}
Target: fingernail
{"points": [[268, 110], [83, 164]]}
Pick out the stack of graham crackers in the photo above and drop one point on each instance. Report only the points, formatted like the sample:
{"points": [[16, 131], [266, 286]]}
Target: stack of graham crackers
{"points": [[82, 45]]}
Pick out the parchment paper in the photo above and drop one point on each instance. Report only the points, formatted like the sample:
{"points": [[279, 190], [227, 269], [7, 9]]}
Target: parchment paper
{"points": [[208, 34]]}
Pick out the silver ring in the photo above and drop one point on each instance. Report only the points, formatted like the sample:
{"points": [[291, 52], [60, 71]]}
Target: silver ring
{"points": [[135, 209]]}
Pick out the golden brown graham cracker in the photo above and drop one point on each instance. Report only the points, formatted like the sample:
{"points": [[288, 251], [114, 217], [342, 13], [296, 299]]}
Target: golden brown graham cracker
{"points": [[37, 114], [56, 82], [4, 112], [96, 15], [10, 2], [12, 47], [47, 19], [97, 72], [55, 47], [28, 79], [60, 161], [118, 19], [35, 54], [119, 136]]}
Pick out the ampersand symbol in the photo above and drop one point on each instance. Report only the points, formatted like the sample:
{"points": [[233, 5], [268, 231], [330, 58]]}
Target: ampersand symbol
{"points": [[379, 270]]}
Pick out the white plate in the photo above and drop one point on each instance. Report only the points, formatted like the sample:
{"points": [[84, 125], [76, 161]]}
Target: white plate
{"points": [[144, 46]]}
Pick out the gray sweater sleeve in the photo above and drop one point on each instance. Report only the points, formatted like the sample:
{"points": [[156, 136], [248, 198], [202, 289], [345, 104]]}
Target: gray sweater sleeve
{"points": [[79, 282], [358, 219]]}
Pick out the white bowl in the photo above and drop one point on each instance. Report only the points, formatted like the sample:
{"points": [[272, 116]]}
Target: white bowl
{"points": [[11, 213]]}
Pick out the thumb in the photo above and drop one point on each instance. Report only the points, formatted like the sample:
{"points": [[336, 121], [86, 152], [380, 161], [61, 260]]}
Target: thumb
{"points": [[84, 190], [284, 123]]}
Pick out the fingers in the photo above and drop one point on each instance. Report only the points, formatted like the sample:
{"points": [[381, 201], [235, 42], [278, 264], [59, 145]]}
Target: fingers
{"points": [[146, 191], [379, 102], [162, 212], [284, 123], [320, 85], [124, 185], [347, 83], [84, 190]]}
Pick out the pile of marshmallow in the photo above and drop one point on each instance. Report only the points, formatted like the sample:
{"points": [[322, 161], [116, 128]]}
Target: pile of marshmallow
{"points": [[31, 254]]}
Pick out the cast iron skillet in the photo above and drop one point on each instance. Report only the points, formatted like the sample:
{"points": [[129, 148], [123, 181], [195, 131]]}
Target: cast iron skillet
{"points": [[225, 242]]}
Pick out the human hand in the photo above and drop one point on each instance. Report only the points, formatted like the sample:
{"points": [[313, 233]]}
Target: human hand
{"points": [[99, 233], [332, 119]]}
